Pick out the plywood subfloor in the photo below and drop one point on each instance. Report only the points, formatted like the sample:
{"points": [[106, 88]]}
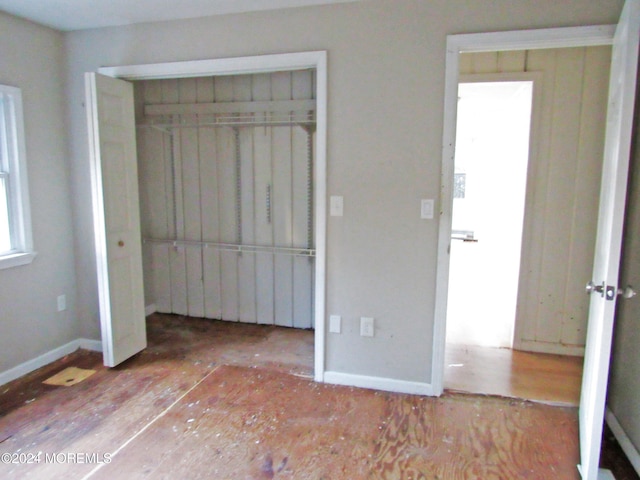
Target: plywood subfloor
{"points": [[231, 401], [554, 379]]}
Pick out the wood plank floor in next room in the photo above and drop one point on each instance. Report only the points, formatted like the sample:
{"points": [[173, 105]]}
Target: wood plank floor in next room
{"points": [[216, 400]]}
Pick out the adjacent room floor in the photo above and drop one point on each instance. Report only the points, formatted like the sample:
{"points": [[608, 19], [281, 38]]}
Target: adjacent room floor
{"points": [[210, 399], [553, 379]]}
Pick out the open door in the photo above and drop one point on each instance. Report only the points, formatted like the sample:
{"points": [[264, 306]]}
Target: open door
{"points": [[116, 216], [604, 287]]}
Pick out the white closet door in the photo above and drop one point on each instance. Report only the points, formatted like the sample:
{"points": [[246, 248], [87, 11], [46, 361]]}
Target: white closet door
{"points": [[114, 178]]}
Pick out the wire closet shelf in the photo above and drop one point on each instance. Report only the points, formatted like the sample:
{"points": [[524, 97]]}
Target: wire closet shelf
{"points": [[288, 113]]}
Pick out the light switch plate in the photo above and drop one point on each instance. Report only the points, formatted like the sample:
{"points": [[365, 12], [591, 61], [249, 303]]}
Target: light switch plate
{"points": [[366, 326], [336, 206], [334, 323], [426, 208]]}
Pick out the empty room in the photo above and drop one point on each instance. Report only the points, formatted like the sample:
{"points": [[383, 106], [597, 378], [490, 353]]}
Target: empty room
{"points": [[251, 239]]}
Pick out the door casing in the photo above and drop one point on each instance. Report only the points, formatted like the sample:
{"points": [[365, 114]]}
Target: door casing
{"points": [[473, 43]]}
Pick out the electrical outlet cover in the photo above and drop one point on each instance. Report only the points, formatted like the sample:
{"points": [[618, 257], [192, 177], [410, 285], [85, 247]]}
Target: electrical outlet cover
{"points": [[334, 323]]}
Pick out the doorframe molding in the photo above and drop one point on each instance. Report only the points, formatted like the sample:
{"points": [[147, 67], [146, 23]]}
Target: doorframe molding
{"points": [[265, 64], [472, 43]]}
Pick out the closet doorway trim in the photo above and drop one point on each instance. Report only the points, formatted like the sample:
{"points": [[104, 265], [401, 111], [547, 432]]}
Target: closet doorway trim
{"points": [[267, 64]]}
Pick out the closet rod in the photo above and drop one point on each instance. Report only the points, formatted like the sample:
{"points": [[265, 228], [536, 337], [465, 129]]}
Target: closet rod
{"points": [[232, 247], [165, 127], [231, 108]]}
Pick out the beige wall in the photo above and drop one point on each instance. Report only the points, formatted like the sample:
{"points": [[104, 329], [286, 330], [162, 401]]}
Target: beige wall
{"points": [[562, 190], [385, 117], [32, 58]]}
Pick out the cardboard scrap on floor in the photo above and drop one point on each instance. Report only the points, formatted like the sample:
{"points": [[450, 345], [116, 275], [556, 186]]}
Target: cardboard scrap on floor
{"points": [[69, 376]]}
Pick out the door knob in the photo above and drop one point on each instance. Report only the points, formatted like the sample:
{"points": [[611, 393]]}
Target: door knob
{"points": [[120, 243], [627, 292]]}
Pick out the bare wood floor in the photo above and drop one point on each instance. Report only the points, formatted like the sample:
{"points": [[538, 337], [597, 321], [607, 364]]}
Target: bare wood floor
{"points": [[220, 400], [554, 379]]}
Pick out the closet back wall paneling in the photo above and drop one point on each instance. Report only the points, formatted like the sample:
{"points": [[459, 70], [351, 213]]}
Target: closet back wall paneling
{"points": [[207, 192]]}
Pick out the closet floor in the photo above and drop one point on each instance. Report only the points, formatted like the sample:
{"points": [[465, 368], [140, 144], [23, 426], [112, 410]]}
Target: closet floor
{"points": [[211, 399]]}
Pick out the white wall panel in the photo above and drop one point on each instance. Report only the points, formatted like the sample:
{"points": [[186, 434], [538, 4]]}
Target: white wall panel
{"points": [[226, 152], [302, 266], [190, 166], [246, 262], [209, 205], [282, 199], [263, 181]]}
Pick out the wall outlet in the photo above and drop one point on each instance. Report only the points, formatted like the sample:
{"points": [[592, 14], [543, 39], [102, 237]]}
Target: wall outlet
{"points": [[62, 303], [335, 323], [366, 327], [336, 206]]}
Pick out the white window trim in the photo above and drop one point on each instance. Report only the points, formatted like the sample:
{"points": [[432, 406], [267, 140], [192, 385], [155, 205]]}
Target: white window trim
{"points": [[19, 207]]}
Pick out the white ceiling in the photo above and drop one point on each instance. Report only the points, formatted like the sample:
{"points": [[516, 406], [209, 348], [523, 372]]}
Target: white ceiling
{"points": [[82, 14]]}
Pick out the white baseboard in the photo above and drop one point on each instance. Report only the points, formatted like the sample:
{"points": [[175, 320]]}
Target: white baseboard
{"points": [[48, 357], [623, 439], [149, 309], [378, 383], [552, 348]]}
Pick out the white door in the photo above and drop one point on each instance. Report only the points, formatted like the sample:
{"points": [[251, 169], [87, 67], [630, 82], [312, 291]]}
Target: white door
{"points": [[609, 238], [116, 216]]}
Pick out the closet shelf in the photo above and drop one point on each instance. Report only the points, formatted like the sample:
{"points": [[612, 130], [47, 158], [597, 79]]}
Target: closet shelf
{"points": [[230, 114], [258, 120], [232, 247]]}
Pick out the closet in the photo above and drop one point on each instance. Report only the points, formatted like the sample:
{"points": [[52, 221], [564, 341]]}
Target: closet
{"points": [[225, 167]]}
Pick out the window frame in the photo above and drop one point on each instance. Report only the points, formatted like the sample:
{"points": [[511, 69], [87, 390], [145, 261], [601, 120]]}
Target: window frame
{"points": [[14, 167]]}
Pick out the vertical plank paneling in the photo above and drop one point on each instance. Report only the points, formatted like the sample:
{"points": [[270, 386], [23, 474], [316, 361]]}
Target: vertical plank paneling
{"points": [[282, 205], [465, 66], [486, 62], [148, 186], [209, 206], [247, 261], [586, 193], [178, 264], [511, 61], [530, 303], [225, 151], [156, 209], [302, 266], [263, 188], [191, 201], [560, 191]]}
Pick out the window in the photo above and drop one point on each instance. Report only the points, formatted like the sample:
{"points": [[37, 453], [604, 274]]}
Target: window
{"points": [[16, 246]]}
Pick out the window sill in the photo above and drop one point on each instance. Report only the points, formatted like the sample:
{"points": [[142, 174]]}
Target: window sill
{"points": [[16, 259]]}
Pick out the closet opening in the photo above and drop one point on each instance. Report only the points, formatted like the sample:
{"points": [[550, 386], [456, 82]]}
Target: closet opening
{"points": [[226, 170]]}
